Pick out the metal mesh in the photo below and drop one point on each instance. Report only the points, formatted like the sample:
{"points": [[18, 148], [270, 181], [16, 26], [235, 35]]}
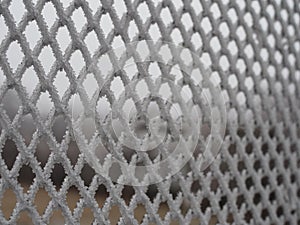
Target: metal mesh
{"points": [[253, 51]]}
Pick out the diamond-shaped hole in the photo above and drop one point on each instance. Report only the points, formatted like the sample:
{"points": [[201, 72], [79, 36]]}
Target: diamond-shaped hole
{"points": [[178, 5], [26, 177], [42, 151], [58, 175], [224, 63], [163, 210], [140, 173], [118, 44], [215, 44], [152, 192], [264, 54], [128, 153], [215, 11], [127, 194], [105, 65], [47, 58], [215, 78], [165, 53], [165, 91], [142, 50], [88, 128], [115, 171], [186, 93], [106, 24], [61, 82], [59, 128], [57, 217], [79, 19], [63, 38], [77, 61], [185, 207], [197, 41], [187, 21], [241, 65], [176, 36], [87, 216], [241, 34], [90, 85], [278, 27], [270, 10], [49, 14], [142, 89], [91, 41], [232, 15], [103, 108], [101, 195], [154, 71], [154, 32], [214, 185], [73, 152], [114, 214], [143, 11], [9, 153], [166, 16], [196, 76], [44, 104], [4, 28], [11, 103], [72, 197], [186, 57], [153, 110], [32, 34], [205, 204], [139, 213], [248, 19], [130, 68], [94, 5], [14, 55], [249, 83], [206, 25], [264, 24], [30, 80], [117, 87], [24, 218], [87, 174], [27, 128], [213, 220], [8, 203], [132, 30], [100, 153], [175, 111], [232, 47], [224, 29], [249, 51], [128, 107], [206, 60], [241, 5], [120, 8], [196, 5], [17, 9], [176, 72], [41, 200]]}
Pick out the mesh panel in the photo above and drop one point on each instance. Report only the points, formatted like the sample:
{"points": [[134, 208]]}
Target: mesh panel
{"points": [[54, 52]]}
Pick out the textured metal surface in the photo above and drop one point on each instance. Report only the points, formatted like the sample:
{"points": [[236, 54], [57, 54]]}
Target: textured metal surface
{"points": [[253, 51]]}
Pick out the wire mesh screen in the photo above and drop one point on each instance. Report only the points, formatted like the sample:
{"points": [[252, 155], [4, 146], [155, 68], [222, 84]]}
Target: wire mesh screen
{"points": [[150, 112]]}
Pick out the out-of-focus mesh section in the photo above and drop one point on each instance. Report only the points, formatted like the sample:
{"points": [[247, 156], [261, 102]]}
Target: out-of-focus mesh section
{"points": [[46, 51]]}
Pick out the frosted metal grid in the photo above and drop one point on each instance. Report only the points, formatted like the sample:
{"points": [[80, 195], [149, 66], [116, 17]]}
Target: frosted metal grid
{"points": [[60, 57]]}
